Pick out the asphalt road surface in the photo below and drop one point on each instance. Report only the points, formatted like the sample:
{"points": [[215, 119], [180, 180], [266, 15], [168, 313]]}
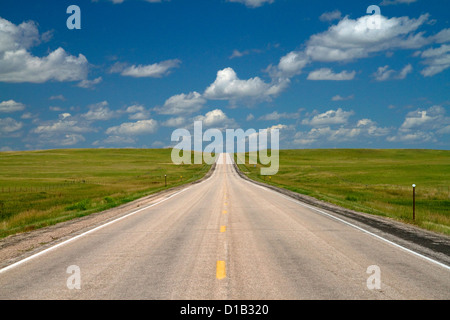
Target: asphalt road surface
{"points": [[226, 238]]}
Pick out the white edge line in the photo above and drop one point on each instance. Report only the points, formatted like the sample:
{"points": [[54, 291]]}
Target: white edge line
{"points": [[352, 225], [94, 229]]}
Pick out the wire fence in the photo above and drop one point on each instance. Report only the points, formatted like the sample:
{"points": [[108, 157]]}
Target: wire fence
{"points": [[141, 180]]}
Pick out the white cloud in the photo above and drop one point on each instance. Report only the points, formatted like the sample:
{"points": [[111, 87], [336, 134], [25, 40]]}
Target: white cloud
{"points": [[99, 111], [274, 116], [327, 74], [137, 112], [156, 70], [442, 36], [228, 86], [253, 3], [134, 128], [431, 118], [291, 64], [384, 73], [330, 117], [437, 59], [372, 128], [330, 16], [17, 64], [353, 39], [70, 139], [182, 104], [423, 125], [87, 84], [341, 98], [216, 118], [9, 125], [405, 71], [174, 122], [332, 126], [11, 106], [65, 124]]}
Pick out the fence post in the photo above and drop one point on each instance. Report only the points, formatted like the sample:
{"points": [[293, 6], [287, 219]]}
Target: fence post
{"points": [[414, 201]]}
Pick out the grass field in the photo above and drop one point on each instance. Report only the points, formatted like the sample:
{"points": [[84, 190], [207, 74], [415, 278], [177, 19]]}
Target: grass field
{"points": [[41, 188], [372, 181]]}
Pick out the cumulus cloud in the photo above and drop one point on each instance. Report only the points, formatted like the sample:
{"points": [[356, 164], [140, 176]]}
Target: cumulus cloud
{"points": [[137, 112], [228, 86], [423, 125], [384, 73], [275, 116], [156, 70], [99, 111], [11, 106], [290, 65], [405, 71], [353, 39], [9, 125], [330, 117], [65, 124], [333, 127], [341, 98], [330, 16], [328, 74], [182, 104], [217, 119], [174, 122], [87, 84], [134, 128], [17, 64], [437, 59]]}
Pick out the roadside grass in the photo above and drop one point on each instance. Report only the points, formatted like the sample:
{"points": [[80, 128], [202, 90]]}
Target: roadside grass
{"points": [[370, 180], [41, 188]]}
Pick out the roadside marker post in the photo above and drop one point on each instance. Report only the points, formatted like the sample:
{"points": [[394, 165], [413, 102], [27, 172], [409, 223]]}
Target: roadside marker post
{"points": [[414, 201], [165, 180]]}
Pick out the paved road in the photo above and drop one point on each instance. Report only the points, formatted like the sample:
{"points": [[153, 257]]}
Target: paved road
{"points": [[226, 238]]}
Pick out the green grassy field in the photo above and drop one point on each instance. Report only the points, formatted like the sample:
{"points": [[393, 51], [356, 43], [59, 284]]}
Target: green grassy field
{"points": [[41, 188], [372, 181]]}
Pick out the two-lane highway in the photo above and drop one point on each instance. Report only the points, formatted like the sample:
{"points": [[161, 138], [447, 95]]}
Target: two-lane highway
{"points": [[226, 238]]}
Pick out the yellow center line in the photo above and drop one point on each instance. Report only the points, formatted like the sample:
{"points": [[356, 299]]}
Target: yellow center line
{"points": [[220, 270], [224, 211], [223, 228]]}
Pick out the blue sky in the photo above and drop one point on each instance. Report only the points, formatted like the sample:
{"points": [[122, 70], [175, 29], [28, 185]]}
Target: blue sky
{"points": [[137, 70]]}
